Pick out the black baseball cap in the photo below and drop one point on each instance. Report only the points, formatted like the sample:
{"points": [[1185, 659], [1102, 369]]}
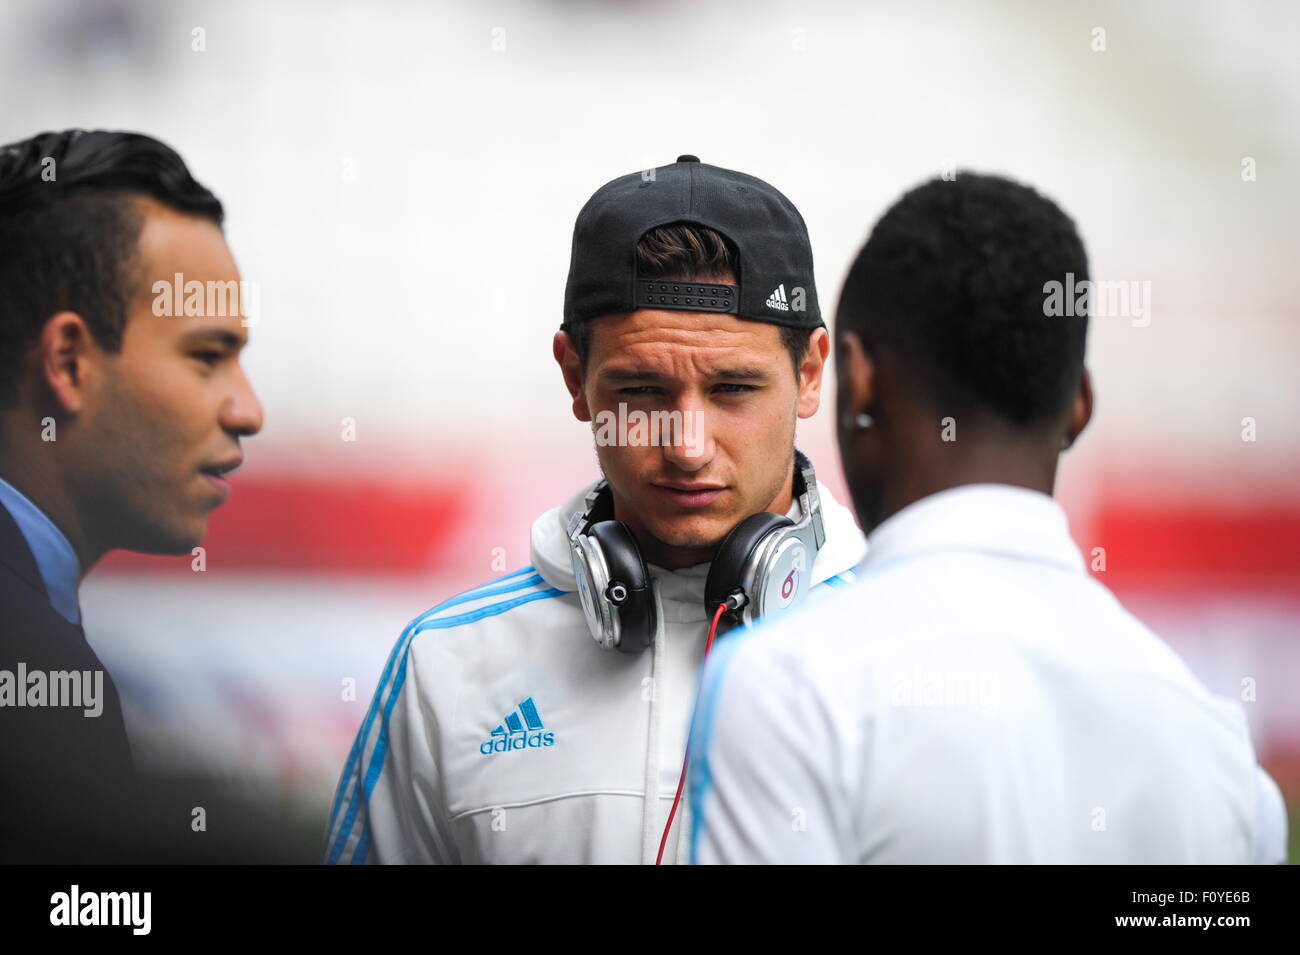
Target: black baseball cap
{"points": [[775, 258]]}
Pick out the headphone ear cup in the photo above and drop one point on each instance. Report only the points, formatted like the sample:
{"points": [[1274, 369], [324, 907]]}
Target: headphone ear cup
{"points": [[636, 613], [734, 553]]}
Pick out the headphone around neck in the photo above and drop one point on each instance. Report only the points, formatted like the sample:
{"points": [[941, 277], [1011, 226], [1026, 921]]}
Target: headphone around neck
{"points": [[763, 565]]}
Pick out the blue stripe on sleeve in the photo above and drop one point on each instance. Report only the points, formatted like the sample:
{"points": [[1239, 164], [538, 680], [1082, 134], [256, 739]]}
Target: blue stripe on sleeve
{"points": [[366, 785], [363, 734]]}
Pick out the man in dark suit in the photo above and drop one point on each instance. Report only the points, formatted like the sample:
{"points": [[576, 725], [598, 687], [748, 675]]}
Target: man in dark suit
{"points": [[122, 407]]}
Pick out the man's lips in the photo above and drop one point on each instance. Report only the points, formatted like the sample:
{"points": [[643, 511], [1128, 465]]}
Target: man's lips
{"points": [[222, 468], [215, 474], [220, 484], [690, 495]]}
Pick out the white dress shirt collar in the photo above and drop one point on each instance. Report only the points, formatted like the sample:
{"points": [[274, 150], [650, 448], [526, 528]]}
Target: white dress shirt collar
{"points": [[989, 518]]}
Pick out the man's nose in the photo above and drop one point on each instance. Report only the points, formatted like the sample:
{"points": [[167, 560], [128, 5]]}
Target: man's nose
{"points": [[242, 412], [685, 436]]}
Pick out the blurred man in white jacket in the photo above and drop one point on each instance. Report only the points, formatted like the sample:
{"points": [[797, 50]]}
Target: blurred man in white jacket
{"points": [[976, 696], [502, 732]]}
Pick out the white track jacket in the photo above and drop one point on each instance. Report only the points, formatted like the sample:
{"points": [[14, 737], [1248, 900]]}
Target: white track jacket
{"points": [[501, 732]]}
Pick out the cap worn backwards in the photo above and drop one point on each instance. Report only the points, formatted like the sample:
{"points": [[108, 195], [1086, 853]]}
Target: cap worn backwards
{"points": [[775, 281]]}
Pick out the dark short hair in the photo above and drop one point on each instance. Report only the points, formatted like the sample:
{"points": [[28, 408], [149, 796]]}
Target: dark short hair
{"points": [[951, 281], [69, 231], [690, 253]]}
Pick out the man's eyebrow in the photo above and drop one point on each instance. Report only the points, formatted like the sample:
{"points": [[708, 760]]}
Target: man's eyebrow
{"points": [[223, 336], [645, 374]]}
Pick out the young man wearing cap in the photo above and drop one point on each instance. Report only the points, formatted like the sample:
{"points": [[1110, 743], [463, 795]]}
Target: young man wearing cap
{"points": [[975, 696], [501, 731]]}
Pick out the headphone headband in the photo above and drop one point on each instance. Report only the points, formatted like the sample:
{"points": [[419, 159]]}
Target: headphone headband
{"points": [[810, 502]]}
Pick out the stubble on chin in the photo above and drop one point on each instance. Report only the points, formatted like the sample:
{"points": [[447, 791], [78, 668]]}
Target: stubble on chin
{"points": [[668, 537]]}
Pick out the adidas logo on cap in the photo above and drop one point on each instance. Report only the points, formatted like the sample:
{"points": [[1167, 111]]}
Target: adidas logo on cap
{"points": [[777, 299], [513, 733]]}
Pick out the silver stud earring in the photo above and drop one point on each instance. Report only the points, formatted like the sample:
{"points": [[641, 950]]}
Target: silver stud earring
{"points": [[863, 421]]}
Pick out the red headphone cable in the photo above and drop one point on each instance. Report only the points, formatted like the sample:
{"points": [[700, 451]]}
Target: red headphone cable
{"points": [[681, 782]]}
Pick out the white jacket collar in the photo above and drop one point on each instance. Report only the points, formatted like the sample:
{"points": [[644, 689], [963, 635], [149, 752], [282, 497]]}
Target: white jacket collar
{"points": [[991, 518], [682, 591]]}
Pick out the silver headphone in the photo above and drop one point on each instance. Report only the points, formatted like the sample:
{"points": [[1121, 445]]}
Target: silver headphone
{"points": [[763, 565]]}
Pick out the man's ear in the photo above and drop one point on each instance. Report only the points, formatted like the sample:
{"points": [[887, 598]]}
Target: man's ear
{"points": [[811, 372], [566, 356], [66, 360], [1081, 412], [855, 380]]}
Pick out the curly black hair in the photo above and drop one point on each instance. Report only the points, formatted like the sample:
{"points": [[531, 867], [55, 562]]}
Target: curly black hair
{"points": [[68, 231], [952, 282]]}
